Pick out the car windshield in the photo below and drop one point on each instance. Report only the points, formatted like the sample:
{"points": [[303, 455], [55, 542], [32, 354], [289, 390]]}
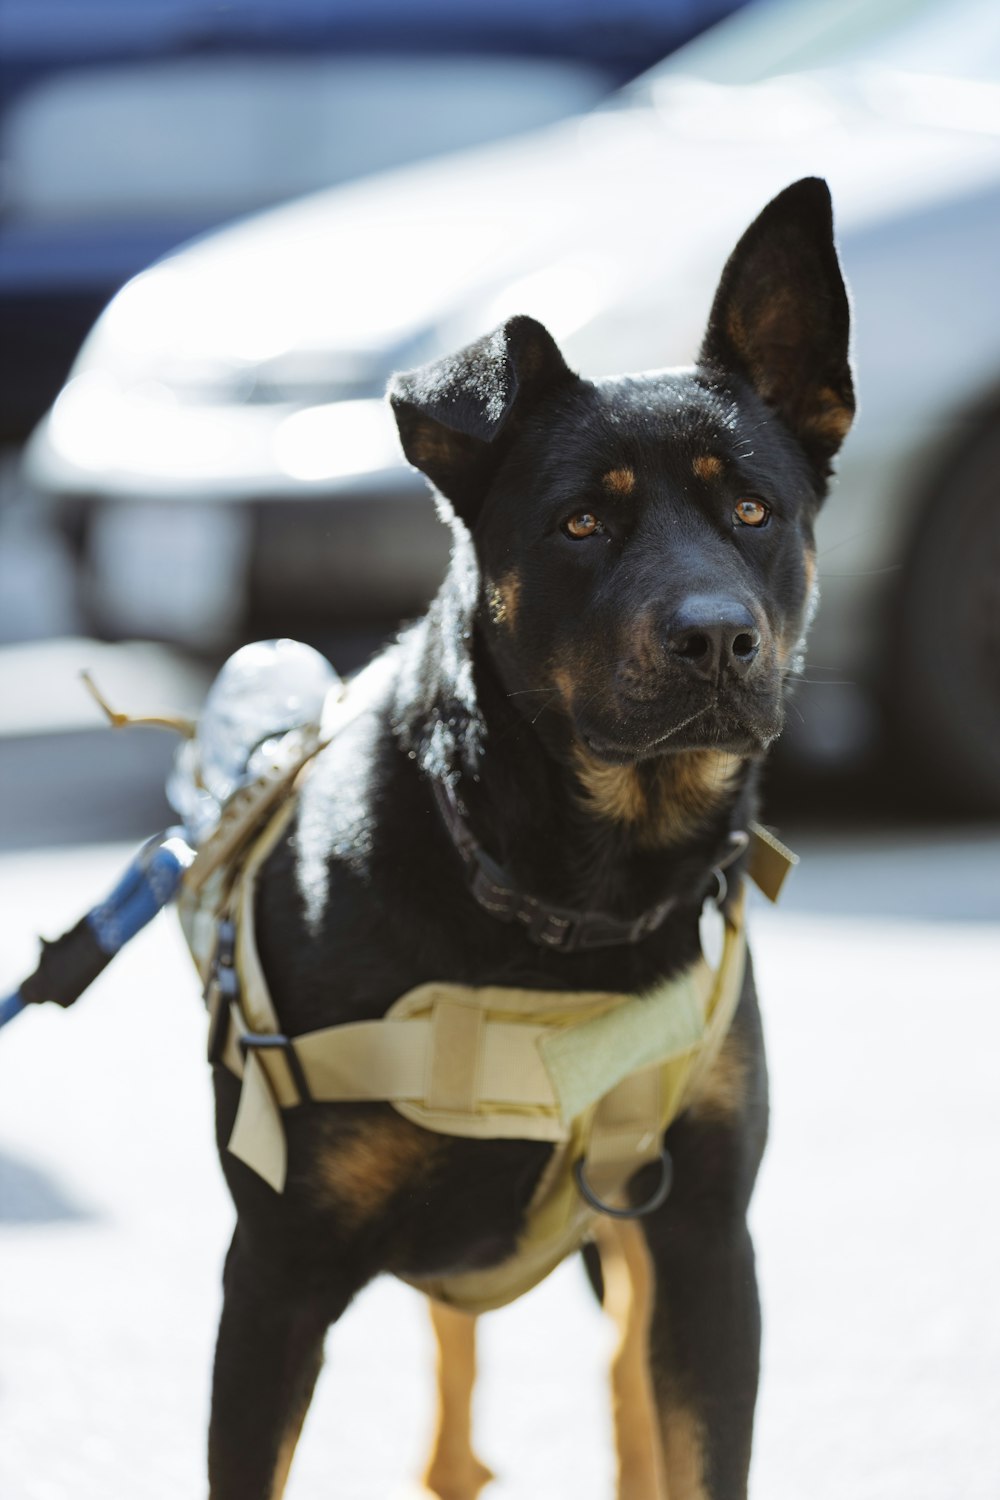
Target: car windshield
{"points": [[772, 37]]}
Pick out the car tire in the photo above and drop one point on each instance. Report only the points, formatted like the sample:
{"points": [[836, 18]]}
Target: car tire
{"points": [[944, 674]]}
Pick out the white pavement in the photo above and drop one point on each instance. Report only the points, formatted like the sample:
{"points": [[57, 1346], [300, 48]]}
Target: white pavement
{"points": [[877, 1226]]}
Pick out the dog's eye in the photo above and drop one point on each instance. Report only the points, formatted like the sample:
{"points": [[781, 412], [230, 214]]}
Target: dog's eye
{"points": [[751, 513], [582, 525]]}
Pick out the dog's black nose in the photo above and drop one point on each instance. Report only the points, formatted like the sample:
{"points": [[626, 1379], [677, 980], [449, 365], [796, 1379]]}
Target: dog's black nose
{"points": [[713, 635]]}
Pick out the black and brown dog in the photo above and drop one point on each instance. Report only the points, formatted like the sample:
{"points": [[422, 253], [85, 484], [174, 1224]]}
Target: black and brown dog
{"points": [[597, 681]]}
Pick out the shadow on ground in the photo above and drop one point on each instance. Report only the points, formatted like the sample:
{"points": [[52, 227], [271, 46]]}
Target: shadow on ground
{"points": [[30, 1196]]}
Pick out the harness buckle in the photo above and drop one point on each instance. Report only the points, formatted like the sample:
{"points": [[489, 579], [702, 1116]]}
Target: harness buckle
{"points": [[222, 987], [276, 1041]]}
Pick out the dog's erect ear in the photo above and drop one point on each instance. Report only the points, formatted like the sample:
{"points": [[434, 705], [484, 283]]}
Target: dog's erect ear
{"points": [[781, 318], [453, 413]]}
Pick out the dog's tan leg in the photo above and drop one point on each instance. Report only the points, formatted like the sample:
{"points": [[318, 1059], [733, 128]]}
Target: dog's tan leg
{"points": [[628, 1299], [454, 1472], [684, 1453]]}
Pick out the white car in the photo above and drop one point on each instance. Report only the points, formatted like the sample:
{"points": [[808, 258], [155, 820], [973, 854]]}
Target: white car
{"points": [[223, 436]]}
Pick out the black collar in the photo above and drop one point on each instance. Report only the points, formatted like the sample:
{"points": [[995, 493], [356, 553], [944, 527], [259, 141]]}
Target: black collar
{"points": [[556, 927]]}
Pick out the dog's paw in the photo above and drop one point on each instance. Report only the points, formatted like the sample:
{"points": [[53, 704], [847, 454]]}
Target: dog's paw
{"points": [[458, 1482]]}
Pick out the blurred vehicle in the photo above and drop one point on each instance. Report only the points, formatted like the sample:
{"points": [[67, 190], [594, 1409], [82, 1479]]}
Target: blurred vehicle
{"points": [[127, 128], [228, 466]]}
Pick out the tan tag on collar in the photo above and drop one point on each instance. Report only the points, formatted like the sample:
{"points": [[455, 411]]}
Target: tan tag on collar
{"points": [[770, 861]]}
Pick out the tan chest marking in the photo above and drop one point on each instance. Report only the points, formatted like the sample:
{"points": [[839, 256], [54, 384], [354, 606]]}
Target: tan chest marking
{"points": [[665, 803], [722, 1094], [360, 1171]]}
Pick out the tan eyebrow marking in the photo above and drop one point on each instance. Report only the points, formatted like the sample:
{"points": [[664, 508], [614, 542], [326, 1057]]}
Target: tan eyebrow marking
{"points": [[706, 466], [619, 481]]}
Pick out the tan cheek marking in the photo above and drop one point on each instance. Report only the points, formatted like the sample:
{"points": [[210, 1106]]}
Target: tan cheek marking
{"points": [[619, 481], [503, 598], [359, 1172], [565, 686], [707, 467], [722, 1094]]}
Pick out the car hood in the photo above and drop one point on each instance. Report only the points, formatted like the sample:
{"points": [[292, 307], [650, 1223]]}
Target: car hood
{"points": [[209, 369], [572, 225]]}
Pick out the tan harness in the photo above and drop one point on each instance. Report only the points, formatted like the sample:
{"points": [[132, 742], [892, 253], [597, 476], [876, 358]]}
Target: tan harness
{"points": [[598, 1075]]}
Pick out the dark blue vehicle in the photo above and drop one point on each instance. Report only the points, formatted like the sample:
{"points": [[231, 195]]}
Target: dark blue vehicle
{"points": [[127, 128]]}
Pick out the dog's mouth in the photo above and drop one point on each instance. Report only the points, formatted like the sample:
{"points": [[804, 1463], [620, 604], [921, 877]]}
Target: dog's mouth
{"points": [[745, 729]]}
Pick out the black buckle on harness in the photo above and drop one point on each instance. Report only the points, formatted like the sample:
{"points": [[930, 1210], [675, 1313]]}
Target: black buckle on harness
{"points": [[221, 988], [275, 1041]]}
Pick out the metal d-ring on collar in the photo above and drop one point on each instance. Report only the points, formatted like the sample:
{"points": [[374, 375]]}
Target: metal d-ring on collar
{"points": [[739, 842], [557, 927], [658, 1195]]}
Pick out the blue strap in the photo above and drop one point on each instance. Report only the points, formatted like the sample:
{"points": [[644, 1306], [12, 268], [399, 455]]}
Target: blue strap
{"points": [[10, 1006], [150, 881]]}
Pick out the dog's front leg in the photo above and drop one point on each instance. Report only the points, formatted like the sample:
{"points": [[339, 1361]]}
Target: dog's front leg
{"points": [[453, 1471], [626, 1270], [704, 1353], [268, 1355]]}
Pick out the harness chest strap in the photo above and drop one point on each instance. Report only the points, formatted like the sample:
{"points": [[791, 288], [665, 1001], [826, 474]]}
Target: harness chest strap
{"points": [[613, 1136], [598, 1075]]}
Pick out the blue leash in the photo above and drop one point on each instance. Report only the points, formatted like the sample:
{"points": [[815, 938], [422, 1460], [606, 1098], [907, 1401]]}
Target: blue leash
{"points": [[72, 962]]}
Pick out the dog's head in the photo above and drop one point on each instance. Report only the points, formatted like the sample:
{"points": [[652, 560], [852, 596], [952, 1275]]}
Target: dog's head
{"points": [[645, 543]]}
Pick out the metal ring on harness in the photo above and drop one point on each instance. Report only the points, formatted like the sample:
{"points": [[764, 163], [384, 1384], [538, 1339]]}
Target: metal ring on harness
{"points": [[653, 1202], [722, 885]]}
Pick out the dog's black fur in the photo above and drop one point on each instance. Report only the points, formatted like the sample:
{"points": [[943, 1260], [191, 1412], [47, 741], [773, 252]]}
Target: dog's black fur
{"points": [[600, 704]]}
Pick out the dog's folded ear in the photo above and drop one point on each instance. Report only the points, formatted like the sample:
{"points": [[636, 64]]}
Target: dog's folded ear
{"points": [[453, 414], [781, 319]]}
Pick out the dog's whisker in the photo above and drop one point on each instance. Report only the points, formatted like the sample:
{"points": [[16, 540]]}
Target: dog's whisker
{"points": [[549, 700], [847, 541], [866, 572], [829, 681]]}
